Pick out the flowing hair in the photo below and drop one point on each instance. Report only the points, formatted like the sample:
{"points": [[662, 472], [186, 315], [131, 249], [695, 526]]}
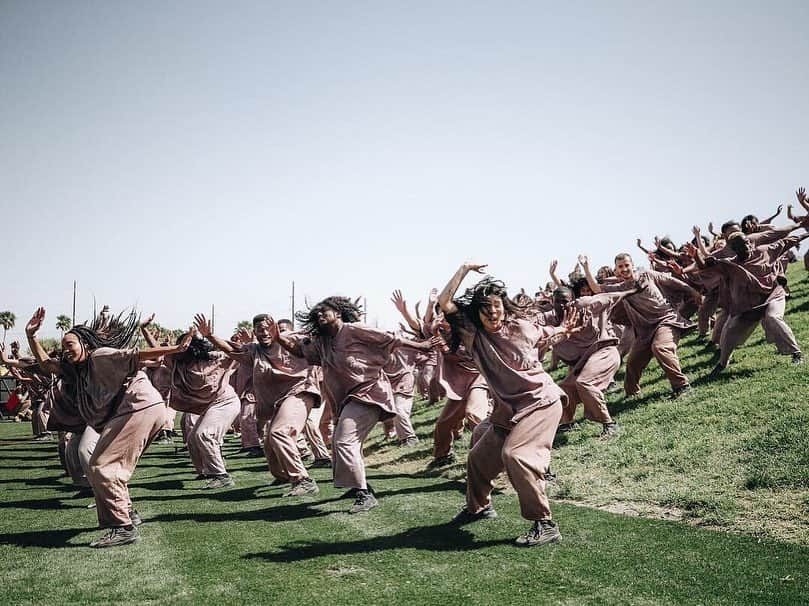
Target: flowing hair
{"points": [[349, 312], [476, 299], [117, 332]]}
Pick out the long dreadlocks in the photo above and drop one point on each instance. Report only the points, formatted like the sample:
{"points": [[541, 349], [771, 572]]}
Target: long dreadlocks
{"points": [[349, 312], [117, 332]]}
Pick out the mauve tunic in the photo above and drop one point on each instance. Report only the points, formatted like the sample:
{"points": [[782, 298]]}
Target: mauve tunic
{"points": [[751, 284], [646, 307], [352, 363], [201, 383], [277, 375], [400, 370], [108, 384], [598, 331], [509, 361]]}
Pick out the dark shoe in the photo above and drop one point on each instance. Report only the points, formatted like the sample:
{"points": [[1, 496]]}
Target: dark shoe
{"points": [[609, 430], [568, 427], [117, 536], [465, 517], [43, 437], [163, 437], [321, 463], [541, 533], [254, 452], [278, 482], [797, 358], [680, 392], [202, 476], [135, 518], [304, 487], [365, 501], [409, 442], [614, 387], [442, 461], [223, 481]]}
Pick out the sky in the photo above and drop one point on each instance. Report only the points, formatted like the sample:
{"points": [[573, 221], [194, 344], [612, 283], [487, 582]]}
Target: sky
{"points": [[177, 155]]}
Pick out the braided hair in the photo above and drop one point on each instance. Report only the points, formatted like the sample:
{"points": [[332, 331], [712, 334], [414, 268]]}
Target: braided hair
{"points": [[117, 332]]}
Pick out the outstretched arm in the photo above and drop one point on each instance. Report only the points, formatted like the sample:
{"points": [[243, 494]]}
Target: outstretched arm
{"points": [[429, 313], [698, 237], [292, 346], [802, 199], [46, 363], [445, 298], [153, 353], [202, 324], [595, 287], [640, 245], [11, 362]]}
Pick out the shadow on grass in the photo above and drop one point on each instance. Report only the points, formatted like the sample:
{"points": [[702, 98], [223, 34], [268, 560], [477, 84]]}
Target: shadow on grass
{"points": [[278, 513], [44, 538], [437, 538]]}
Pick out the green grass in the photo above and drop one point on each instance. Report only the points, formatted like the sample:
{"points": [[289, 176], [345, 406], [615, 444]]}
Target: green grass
{"points": [[713, 493]]}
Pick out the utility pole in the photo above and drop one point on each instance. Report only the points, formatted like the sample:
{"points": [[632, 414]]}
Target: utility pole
{"points": [[74, 302], [213, 313], [365, 310], [293, 303]]}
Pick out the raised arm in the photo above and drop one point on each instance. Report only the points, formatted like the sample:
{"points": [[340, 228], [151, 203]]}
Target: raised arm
{"points": [[401, 305], [445, 298], [147, 334], [203, 326], [772, 218], [431, 343], [552, 272], [595, 287], [802, 199], [429, 313], [698, 237], [640, 245], [46, 363], [711, 231]]}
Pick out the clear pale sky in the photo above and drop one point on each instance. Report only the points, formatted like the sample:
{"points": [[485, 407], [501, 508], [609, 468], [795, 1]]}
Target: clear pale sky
{"points": [[171, 155]]}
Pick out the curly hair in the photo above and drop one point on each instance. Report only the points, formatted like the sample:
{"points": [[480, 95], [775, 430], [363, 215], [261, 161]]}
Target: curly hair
{"points": [[198, 349], [349, 312]]}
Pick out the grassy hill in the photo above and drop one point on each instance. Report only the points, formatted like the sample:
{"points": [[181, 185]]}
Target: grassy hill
{"points": [[703, 500]]}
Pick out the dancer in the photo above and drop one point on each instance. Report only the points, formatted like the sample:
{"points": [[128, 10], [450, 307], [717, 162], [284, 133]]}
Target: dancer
{"points": [[352, 356], [528, 404], [286, 390], [199, 381], [102, 384]]}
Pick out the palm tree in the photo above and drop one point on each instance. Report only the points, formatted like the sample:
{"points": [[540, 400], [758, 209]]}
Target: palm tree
{"points": [[63, 323], [7, 320], [244, 324]]}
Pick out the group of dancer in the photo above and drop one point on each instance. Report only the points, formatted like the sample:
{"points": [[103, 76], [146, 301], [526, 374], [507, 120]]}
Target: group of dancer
{"points": [[481, 350]]}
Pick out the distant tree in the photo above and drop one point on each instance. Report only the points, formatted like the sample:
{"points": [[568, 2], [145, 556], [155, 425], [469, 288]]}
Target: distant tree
{"points": [[244, 324], [63, 323], [7, 320]]}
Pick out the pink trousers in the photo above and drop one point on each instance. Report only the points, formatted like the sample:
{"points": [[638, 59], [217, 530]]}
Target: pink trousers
{"points": [[205, 437], [119, 447], [355, 423], [738, 329], [473, 410], [588, 386], [281, 438], [524, 453]]}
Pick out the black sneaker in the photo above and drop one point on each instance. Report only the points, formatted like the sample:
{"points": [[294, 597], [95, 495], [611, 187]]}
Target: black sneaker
{"points": [[163, 437], [115, 537], [680, 392], [465, 517], [365, 501], [304, 487], [609, 430], [409, 442], [541, 533], [254, 452], [442, 461], [135, 518], [321, 464], [797, 358], [567, 427]]}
